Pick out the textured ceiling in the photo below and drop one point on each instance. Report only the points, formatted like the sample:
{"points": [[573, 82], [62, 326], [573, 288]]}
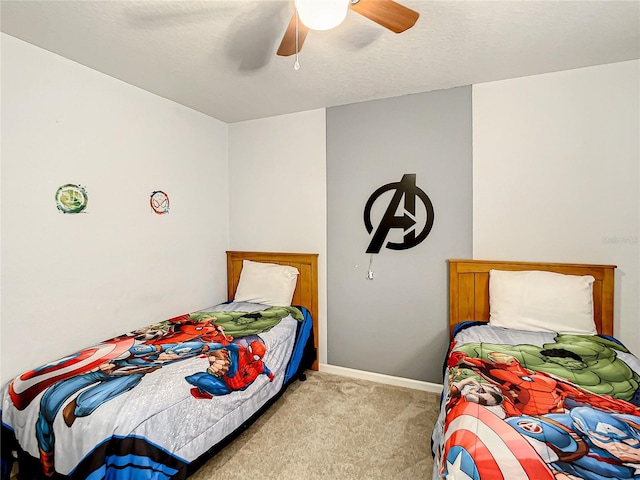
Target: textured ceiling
{"points": [[218, 56]]}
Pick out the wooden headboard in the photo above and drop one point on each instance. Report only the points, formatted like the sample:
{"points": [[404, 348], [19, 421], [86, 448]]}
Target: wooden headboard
{"points": [[469, 288], [306, 293]]}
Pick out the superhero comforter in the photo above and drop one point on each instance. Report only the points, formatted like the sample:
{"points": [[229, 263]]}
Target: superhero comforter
{"points": [[538, 406], [152, 403]]}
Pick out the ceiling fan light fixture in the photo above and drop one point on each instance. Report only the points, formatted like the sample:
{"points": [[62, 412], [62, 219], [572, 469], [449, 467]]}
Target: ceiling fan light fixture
{"points": [[322, 14]]}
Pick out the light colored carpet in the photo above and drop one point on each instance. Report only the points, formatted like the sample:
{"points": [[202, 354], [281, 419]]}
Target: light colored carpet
{"points": [[334, 427]]}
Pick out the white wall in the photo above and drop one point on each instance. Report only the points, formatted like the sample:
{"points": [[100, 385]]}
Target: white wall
{"points": [[277, 191], [557, 175], [71, 280]]}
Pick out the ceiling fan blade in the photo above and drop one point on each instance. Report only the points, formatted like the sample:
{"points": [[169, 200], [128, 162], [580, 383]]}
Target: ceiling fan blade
{"points": [[387, 13], [288, 44]]}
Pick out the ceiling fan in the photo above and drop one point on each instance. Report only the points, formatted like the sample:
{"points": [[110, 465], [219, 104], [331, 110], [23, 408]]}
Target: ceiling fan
{"points": [[387, 13]]}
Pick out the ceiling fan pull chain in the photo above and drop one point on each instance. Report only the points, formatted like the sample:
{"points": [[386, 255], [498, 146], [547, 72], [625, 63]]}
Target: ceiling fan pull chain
{"points": [[296, 64]]}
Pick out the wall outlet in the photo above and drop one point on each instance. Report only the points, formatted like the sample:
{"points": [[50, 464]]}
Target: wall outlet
{"points": [[369, 275]]}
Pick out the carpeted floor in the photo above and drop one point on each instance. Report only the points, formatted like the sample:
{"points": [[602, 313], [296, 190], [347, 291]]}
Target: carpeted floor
{"points": [[332, 427]]}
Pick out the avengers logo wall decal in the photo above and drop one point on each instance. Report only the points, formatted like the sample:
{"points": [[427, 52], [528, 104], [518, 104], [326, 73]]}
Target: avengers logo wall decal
{"points": [[71, 198], [159, 202], [409, 220]]}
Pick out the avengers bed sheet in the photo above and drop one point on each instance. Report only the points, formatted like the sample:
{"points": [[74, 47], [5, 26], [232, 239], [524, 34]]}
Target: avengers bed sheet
{"points": [[151, 404], [538, 406]]}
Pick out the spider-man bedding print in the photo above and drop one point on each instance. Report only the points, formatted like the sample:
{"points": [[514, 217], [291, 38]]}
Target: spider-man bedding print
{"points": [[148, 403], [529, 405]]}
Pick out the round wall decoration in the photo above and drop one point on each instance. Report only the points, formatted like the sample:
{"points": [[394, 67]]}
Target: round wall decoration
{"points": [[71, 198], [159, 202]]}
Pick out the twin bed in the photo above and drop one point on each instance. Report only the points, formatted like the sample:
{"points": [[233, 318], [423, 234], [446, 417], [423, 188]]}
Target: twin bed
{"points": [[535, 386], [157, 402]]}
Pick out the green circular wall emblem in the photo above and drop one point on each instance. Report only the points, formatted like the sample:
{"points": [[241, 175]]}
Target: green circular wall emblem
{"points": [[71, 198]]}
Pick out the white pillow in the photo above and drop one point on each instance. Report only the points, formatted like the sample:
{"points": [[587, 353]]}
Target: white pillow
{"points": [[541, 301], [266, 283]]}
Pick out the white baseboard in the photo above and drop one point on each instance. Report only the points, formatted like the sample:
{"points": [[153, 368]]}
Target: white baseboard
{"points": [[381, 378]]}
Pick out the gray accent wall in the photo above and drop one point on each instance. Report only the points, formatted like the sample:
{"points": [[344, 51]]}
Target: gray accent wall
{"points": [[397, 322]]}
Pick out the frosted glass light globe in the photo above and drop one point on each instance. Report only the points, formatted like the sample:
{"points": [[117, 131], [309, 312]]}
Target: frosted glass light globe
{"points": [[322, 14]]}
